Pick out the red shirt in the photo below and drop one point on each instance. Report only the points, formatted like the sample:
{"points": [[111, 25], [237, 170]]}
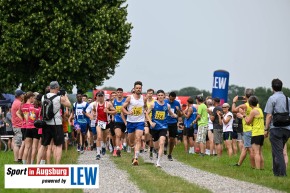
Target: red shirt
{"points": [[29, 113], [102, 116], [16, 121]]}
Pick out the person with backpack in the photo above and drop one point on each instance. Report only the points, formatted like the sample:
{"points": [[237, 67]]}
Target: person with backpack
{"points": [[278, 104], [51, 104]]}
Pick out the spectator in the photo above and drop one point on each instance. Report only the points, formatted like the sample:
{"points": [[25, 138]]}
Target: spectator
{"points": [[278, 135], [17, 123], [9, 128], [256, 119], [53, 129], [247, 129], [227, 120], [217, 126]]}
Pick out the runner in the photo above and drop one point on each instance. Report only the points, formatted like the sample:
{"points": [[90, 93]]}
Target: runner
{"points": [[158, 122], [148, 137], [172, 122], [120, 121], [188, 132], [102, 109], [80, 121], [136, 105]]}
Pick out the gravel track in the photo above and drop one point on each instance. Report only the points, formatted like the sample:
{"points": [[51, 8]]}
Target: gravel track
{"points": [[112, 179], [213, 182]]}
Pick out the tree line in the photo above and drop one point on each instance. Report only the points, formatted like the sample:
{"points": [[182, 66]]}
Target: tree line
{"points": [[261, 92]]}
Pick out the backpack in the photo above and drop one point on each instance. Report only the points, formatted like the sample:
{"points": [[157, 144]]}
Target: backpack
{"points": [[47, 108]]}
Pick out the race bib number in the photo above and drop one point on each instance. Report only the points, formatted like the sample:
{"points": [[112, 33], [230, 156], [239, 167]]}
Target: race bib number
{"points": [[118, 109], [102, 124], [160, 115], [79, 112], [137, 111], [93, 123]]}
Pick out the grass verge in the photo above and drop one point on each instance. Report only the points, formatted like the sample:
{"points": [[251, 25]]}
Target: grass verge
{"points": [[69, 157], [223, 166], [151, 179]]}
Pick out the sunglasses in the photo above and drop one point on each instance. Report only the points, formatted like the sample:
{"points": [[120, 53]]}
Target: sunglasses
{"points": [[100, 95], [225, 107]]}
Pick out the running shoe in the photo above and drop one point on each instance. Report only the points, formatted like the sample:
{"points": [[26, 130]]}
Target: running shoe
{"points": [[79, 148], [135, 162], [103, 150], [82, 150], [170, 157], [165, 152], [158, 165], [118, 153], [115, 153], [98, 157]]}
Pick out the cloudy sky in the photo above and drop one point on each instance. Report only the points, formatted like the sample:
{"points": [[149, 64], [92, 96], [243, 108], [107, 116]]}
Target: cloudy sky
{"points": [[176, 44]]}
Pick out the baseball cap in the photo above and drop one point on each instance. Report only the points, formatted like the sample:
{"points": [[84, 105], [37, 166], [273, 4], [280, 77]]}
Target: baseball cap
{"points": [[226, 105], [100, 93], [54, 85], [19, 92]]}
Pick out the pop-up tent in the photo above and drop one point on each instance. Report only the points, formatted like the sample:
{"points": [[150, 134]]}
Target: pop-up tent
{"points": [[6, 100]]}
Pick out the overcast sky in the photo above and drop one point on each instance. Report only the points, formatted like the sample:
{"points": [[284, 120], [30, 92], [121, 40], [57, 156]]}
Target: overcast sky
{"points": [[176, 44]]}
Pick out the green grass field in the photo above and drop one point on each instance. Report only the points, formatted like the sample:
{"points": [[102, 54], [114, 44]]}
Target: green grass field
{"points": [[223, 166], [151, 179], [69, 157]]}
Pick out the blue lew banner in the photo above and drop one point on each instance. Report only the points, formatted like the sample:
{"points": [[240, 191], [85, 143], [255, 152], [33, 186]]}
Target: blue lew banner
{"points": [[220, 86]]}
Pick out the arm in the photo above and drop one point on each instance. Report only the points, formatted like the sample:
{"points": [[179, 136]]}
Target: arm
{"points": [[89, 110], [178, 110], [65, 101], [148, 117], [123, 118], [267, 125], [220, 116], [110, 109], [145, 104], [227, 119], [19, 114], [171, 113], [125, 105], [188, 113], [197, 118], [250, 118]]}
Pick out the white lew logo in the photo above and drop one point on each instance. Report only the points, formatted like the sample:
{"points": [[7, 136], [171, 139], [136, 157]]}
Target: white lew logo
{"points": [[219, 82]]}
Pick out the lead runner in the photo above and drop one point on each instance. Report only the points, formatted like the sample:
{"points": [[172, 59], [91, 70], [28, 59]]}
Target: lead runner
{"points": [[134, 107]]}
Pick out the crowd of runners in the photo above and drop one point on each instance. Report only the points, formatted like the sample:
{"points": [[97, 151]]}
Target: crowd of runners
{"points": [[150, 123]]}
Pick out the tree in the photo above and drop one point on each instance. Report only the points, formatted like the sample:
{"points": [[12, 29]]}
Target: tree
{"points": [[76, 42], [192, 91], [109, 88]]}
